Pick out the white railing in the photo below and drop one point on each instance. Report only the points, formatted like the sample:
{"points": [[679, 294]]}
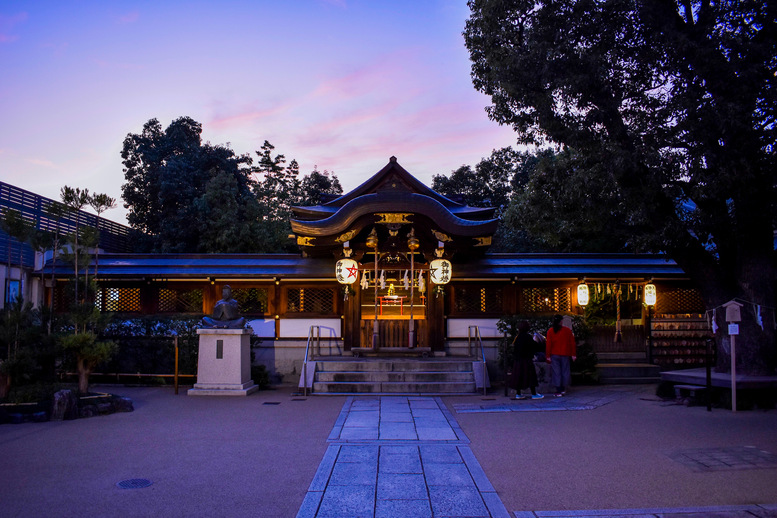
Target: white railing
{"points": [[309, 355], [479, 340]]}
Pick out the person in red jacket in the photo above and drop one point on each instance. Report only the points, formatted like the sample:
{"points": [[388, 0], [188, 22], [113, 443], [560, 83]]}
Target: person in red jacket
{"points": [[560, 351]]}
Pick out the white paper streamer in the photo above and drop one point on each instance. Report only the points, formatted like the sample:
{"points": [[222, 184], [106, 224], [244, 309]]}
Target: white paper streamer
{"points": [[758, 319], [715, 321]]}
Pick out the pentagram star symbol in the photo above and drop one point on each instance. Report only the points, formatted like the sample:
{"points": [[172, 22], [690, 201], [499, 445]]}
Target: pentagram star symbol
{"points": [[352, 271]]}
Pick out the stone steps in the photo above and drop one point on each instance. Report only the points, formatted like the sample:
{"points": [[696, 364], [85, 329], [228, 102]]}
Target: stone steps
{"points": [[394, 376], [622, 357], [628, 373]]}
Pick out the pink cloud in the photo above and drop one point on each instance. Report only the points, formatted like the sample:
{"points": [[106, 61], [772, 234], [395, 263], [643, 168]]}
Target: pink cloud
{"points": [[7, 24], [384, 74], [41, 162], [336, 3], [372, 113], [130, 17], [58, 48], [248, 115], [367, 86], [122, 66]]}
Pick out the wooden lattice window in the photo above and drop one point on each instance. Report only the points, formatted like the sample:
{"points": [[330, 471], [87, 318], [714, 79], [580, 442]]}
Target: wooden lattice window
{"points": [[251, 301], [180, 300], [310, 300], [474, 299], [119, 299], [546, 300], [679, 300]]}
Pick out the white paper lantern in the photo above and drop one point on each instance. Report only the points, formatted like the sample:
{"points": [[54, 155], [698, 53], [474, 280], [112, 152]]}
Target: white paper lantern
{"points": [[650, 294], [440, 271], [582, 294], [347, 271]]}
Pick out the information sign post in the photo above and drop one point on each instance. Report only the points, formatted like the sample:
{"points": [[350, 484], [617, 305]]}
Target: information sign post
{"points": [[733, 317]]}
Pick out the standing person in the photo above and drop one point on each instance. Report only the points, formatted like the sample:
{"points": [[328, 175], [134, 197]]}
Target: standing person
{"points": [[559, 352], [524, 375]]}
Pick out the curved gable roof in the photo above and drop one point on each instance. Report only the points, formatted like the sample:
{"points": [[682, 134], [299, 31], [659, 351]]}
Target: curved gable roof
{"points": [[392, 173]]}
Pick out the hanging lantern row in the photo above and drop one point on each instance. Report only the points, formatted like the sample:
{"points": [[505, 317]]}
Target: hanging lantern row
{"points": [[347, 271], [583, 295]]}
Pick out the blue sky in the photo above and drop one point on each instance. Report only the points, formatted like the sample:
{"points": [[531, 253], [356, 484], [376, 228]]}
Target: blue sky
{"points": [[338, 84]]}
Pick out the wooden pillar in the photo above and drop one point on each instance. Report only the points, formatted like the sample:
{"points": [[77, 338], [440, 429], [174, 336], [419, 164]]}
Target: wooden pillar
{"points": [[352, 318], [435, 317], [278, 307]]}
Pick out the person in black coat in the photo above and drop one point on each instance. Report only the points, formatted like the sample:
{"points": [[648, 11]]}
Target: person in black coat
{"points": [[524, 375]]}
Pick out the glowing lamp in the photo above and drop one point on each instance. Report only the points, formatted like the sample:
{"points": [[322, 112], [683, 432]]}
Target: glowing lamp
{"points": [[347, 271], [650, 294], [440, 271], [582, 294]]}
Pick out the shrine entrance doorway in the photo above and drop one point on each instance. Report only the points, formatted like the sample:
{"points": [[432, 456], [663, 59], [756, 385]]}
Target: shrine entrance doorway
{"points": [[395, 309]]}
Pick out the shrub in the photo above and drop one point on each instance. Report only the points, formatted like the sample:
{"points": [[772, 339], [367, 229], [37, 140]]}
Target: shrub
{"points": [[260, 376]]}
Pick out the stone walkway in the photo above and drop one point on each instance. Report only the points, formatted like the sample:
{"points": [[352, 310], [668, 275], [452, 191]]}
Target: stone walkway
{"points": [[399, 456], [587, 400]]}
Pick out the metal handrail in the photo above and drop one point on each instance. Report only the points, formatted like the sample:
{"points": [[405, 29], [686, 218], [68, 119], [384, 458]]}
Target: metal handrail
{"points": [[307, 352], [479, 339]]}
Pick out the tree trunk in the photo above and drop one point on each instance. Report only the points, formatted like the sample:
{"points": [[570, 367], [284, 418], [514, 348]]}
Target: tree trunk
{"points": [[83, 376], [756, 349], [5, 384], [750, 282]]}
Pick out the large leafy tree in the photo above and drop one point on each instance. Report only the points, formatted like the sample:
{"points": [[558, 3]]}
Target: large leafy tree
{"points": [[670, 106], [552, 214], [316, 187], [278, 188], [485, 185], [170, 175], [492, 183]]}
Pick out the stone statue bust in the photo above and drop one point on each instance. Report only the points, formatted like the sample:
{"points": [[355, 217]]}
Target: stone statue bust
{"points": [[225, 313]]}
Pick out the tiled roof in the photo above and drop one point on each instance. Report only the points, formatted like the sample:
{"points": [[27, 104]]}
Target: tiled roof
{"points": [[540, 266]]}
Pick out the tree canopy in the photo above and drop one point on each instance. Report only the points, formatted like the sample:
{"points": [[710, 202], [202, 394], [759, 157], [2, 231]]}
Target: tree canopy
{"points": [[174, 190], [665, 112], [188, 196], [492, 183]]}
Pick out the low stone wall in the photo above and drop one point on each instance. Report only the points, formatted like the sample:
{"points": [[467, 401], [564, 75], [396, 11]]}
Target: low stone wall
{"points": [[65, 405]]}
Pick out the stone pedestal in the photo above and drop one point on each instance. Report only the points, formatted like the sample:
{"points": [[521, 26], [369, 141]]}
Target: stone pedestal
{"points": [[224, 363]]}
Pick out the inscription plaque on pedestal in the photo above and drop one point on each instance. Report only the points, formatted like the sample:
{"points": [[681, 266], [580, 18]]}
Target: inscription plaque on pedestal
{"points": [[224, 363]]}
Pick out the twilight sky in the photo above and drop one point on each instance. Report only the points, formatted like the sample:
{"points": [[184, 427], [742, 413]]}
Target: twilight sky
{"points": [[337, 84]]}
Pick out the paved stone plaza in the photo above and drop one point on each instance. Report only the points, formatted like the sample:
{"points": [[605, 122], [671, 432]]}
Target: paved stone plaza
{"points": [[393, 456], [399, 456], [599, 451]]}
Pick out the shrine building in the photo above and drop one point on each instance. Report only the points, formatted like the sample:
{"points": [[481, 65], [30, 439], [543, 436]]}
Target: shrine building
{"points": [[394, 269]]}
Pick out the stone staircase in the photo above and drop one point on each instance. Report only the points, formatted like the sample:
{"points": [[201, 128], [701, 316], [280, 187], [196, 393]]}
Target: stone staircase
{"points": [[626, 368], [394, 376]]}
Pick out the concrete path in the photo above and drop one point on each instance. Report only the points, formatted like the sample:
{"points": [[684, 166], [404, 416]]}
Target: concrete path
{"points": [[622, 451], [599, 451], [399, 456]]}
